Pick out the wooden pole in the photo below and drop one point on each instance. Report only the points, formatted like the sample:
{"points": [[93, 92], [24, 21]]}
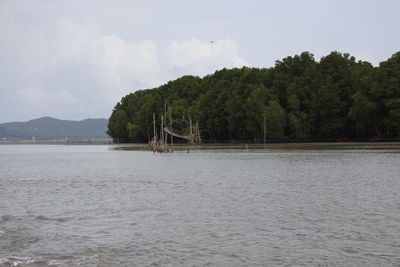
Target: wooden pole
{"points": [[154, 126], [162, 133], [153, 142], [170, 125], [265, 128], [190, 130], [165, 116]]}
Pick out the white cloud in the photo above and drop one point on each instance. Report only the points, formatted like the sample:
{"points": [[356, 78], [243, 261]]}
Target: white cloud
{"points": [[96, 50], [120, 60], [121, 66], [71, 65], [73, 70], [41, 100], [200, 58]]}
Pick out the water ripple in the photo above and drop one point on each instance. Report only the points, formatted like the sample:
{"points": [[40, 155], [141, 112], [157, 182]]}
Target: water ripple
{"points": [[90, 206]]}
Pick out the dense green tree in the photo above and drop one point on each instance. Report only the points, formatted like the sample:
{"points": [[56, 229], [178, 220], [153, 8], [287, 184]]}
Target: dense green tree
{"points": [[298, 99], [117, 125], [255, 108], [297, 119], [388, 87], [275, 117], [393, 119], [362, 112]]}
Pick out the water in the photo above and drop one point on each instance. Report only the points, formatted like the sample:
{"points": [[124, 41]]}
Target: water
{"points": [[96, 206]]}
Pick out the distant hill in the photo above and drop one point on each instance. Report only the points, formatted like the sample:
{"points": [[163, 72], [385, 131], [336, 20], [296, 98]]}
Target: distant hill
{"points": [[48, 128]]}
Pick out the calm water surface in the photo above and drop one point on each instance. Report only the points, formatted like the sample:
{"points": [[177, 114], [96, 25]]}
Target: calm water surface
{"points": [[96, 206]]}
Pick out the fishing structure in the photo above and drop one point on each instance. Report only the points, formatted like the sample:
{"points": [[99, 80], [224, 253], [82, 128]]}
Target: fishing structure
{"points": [[160, 143]]}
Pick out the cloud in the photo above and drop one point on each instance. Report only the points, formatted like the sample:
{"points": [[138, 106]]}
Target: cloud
{"points": [[76, 44], [73, 70], [72, 66], [200, 58], [42, 99]]}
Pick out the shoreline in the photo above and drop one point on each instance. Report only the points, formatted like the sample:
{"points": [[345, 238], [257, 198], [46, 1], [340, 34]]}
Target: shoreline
{"points": [[110, 142], [59, 142], [269, 146]]}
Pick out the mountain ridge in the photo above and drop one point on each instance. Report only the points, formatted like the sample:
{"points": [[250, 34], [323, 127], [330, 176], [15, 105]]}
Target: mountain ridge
{"points": [[49, 128]]}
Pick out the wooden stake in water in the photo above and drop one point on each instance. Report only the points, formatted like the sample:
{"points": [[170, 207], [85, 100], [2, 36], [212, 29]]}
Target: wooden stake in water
{"points": [[265, 128], [170, 125], [154, 125]]}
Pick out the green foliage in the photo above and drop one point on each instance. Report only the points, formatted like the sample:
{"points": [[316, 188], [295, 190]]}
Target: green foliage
{"points": [[393, 119], [275, 120], [117, 125], [362, 112], [299, 98]]}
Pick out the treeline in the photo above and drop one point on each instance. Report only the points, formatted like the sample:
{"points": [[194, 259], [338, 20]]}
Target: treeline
{"points": [[337, 98]]}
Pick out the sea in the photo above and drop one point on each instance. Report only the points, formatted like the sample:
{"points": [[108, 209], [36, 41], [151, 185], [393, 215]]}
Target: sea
{"points": [[103, 205]]}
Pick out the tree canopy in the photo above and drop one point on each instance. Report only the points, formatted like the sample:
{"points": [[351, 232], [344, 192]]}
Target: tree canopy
{"points": [[337, 98]]}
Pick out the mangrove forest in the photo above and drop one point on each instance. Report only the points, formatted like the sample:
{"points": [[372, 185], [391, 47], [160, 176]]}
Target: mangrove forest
{"points": [[299, 99]]}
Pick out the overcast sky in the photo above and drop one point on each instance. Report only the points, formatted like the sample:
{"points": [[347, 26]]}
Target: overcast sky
{"points": [[76, 59]]}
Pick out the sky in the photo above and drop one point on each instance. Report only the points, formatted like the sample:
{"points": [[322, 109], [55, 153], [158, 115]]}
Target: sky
{"points": [[76, 59]]}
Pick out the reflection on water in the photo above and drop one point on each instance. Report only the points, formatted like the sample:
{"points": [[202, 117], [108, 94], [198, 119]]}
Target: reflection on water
{"points": [[97, 206]]}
